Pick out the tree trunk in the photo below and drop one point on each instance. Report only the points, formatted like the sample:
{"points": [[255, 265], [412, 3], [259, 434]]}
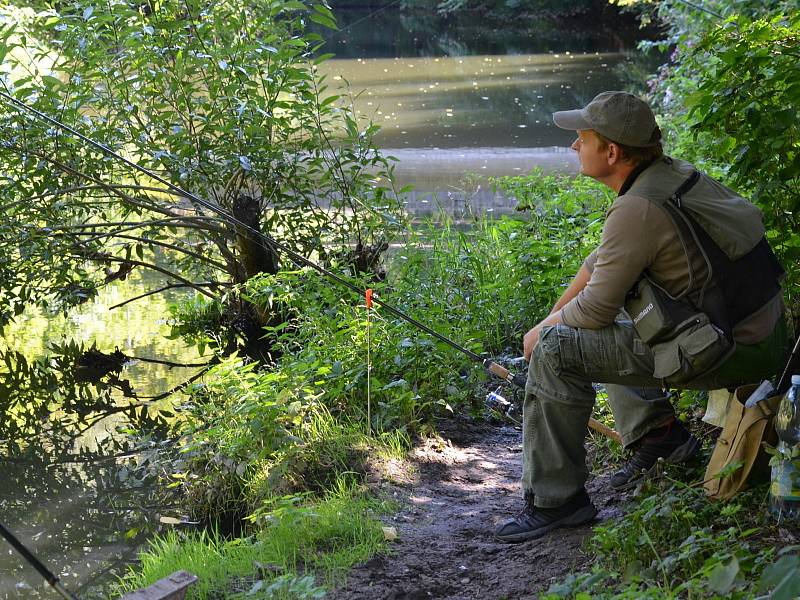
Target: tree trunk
{"points": [[256, 255]]}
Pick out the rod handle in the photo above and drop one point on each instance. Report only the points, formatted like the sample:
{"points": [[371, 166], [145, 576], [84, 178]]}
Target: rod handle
{"points": [[498, 370], [518, 380], [605, 430]]}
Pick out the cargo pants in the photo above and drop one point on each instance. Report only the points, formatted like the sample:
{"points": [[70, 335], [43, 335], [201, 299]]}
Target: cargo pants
{"points": [[559, 397]]}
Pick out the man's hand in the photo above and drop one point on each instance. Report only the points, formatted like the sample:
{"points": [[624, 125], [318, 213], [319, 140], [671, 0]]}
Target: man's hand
{"points": [[532, 337], [530, 340]]}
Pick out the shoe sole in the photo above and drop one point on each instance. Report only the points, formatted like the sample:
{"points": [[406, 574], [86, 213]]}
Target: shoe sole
{"points": [[576, 519], [681, 454]]}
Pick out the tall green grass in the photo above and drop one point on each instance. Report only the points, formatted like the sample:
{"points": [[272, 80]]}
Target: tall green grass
{"points": [[302, 547]]}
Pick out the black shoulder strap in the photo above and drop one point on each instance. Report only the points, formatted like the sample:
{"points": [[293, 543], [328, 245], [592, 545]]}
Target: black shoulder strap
{"points": [[734, 289], [676, 197]]}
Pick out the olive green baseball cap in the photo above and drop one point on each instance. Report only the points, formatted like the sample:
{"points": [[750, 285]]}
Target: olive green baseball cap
{"points": [[619, 116]]}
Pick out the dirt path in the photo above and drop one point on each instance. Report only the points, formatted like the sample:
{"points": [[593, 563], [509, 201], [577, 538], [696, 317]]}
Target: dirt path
{"points": [[445, 548]]}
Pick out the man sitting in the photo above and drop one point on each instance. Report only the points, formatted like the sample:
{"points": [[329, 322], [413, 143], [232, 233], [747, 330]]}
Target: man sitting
{"points": [[701, 249]]}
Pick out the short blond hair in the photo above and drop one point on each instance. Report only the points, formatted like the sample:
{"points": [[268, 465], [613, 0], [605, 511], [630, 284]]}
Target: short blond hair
{"points": [[633, 154]]}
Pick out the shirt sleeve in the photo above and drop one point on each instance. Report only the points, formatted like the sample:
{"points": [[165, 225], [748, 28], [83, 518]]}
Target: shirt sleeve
{"points": [[590, 261], [628, 245]]}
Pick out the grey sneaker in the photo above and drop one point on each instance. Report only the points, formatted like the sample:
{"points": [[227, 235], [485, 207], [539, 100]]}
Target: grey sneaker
{"points": [[672, 442], [534, 522]]}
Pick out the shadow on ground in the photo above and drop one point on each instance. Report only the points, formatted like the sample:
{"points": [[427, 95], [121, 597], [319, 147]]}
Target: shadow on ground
{"points": [[463, 486]]}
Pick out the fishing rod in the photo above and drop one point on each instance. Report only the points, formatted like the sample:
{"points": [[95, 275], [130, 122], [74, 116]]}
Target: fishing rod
{"points": [[517, 380], [51, 579], [701, 8]]}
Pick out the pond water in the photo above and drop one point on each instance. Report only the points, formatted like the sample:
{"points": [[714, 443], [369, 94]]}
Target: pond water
{"points": [[452, 98], [457, 97], [474, 101], [86, 517]]}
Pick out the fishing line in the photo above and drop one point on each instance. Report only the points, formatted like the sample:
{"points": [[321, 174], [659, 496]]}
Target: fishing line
{"points": [[701, 8], [362, 19]]}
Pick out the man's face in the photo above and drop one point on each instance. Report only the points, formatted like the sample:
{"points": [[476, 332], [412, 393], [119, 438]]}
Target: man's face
{"points": [[592, 156]]}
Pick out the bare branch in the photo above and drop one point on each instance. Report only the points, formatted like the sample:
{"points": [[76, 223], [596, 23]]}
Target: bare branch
{"points": [[198, 256], [211, 284], [181, 222], [113, 189], [105, 186], [168, 273]]}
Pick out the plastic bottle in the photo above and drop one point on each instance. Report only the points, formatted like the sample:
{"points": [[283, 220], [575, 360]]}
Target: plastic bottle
{"points": [[784, 497]]}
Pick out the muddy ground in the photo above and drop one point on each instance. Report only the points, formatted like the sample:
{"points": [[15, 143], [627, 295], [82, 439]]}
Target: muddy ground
{"points": [[458, 489]]}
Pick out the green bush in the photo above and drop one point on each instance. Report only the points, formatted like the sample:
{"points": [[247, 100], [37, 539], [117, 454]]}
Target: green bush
{"points": [[747, 106], [674, 543], [730, 97]]}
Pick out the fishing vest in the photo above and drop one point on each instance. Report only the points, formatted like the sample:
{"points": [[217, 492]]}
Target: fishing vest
{"points": [[727, 230]]}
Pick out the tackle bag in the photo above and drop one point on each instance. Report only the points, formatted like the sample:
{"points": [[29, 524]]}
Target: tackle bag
{"points": [[741, 441], [685, 343]]}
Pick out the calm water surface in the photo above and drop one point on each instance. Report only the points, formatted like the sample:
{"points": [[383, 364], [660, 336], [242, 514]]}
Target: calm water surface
{"points": [[474, 101], [458, 97], [86, 520]]}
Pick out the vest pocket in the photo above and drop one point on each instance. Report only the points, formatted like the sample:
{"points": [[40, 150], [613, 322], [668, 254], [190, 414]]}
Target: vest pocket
{"points": [[699, 347]]}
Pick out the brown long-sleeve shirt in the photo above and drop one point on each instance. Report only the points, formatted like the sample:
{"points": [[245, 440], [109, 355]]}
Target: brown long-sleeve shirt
{"points": [[638, 235]]}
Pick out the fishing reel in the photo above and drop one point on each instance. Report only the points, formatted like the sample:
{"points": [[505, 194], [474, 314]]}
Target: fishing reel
{"points": [[496, 403]]}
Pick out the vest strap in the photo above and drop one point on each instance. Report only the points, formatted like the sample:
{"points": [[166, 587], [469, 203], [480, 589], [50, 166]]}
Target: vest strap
{"points": [[677, 196]]}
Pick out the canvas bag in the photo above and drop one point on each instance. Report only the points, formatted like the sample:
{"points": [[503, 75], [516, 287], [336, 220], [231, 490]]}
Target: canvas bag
{"points": [[742, 440], [684, 342]]}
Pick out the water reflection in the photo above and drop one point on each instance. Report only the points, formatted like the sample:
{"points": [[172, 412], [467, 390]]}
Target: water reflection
{"points": [[84, 520], [137, 329], [387, 32], [81, 496]]}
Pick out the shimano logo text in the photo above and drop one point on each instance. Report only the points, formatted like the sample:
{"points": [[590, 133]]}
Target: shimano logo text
{"points": [[643, 314]]}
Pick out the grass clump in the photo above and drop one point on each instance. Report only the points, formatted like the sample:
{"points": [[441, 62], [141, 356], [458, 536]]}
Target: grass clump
{"points": [[299, 535]]}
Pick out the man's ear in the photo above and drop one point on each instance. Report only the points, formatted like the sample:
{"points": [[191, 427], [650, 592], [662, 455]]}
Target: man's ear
{"points": [[613, 153]]}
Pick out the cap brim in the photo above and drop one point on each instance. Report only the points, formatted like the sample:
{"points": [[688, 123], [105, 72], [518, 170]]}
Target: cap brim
{"points": [[570, 119]]}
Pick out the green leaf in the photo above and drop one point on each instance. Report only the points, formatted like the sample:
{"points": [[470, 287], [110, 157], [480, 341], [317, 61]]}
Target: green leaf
{"points": [[783, 578], [52, 82], [323, 57], [723, 576], [329, 100], [323, 20]]}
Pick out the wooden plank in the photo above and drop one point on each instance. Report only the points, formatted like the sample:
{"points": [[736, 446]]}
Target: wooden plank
{"points": [[172, 587]]}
